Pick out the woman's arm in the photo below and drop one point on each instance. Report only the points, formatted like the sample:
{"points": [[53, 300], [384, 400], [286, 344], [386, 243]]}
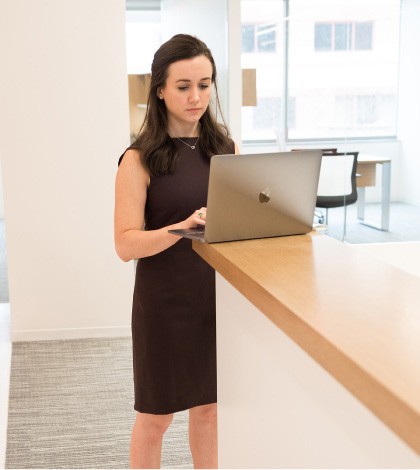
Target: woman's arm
{"points": [[131, 240]]}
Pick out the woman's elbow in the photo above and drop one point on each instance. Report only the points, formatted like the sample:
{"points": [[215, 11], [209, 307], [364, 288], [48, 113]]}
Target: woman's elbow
{"points": [[126, 259], [122, 252]]}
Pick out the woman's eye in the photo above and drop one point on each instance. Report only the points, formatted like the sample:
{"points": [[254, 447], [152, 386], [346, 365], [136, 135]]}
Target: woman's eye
{"points": [[202, 86]]}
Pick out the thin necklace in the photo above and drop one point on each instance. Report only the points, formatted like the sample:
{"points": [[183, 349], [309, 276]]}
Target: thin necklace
{"points": [[192, 147]]}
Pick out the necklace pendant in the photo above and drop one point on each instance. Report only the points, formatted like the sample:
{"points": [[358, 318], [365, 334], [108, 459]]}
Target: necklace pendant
{"points": [[192, 147]]}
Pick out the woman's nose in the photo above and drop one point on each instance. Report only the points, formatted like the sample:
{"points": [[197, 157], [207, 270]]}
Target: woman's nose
{"points": [[195, 96]]}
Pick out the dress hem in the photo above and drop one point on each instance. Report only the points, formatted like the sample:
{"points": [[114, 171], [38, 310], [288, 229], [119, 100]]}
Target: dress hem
{"points": [[176, 409]]}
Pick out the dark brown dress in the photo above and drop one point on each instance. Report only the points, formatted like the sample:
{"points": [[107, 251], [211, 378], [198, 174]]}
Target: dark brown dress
{"points": [[174, 312]]}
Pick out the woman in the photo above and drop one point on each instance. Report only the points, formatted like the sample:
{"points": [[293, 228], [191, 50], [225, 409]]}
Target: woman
{"points": [[161, 184]]}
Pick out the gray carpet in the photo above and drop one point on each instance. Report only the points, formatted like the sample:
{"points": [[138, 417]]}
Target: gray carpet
{"points": [[71, 407]]}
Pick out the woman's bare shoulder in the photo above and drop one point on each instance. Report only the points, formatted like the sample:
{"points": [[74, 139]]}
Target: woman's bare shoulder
{"points": [[131, 163], [132, 156]]}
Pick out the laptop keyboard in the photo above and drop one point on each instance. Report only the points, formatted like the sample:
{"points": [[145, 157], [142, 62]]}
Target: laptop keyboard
{"points": [[197, 233]]}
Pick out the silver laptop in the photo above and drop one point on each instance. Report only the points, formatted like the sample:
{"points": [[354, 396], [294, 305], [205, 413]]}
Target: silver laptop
{"points": [[259, 196]]}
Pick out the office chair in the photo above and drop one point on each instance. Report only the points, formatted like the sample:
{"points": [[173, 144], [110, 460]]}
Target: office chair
{"points": [[337, 183]]}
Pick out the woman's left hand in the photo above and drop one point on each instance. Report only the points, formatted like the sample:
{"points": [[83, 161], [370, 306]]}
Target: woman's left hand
{"points": [[200, 216]]}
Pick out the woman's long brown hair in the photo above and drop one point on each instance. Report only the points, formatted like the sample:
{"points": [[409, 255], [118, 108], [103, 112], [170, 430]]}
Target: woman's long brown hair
{"points": [[158, 152]]}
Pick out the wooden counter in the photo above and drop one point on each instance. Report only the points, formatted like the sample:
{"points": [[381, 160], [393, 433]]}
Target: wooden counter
{"points": [[359, 318]]}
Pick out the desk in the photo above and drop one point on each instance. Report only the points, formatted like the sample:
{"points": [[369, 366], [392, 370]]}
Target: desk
{"points": [[366, 168], [318, 356]]}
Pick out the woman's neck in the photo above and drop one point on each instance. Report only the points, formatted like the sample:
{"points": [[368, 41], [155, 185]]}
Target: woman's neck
{"points": [[184, 131]]}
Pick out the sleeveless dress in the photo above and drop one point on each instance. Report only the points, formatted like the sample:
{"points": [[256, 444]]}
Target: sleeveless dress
{"points": [[174, 311]]}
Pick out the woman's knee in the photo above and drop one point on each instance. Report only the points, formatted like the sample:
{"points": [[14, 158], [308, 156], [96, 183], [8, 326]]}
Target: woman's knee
{"points": [[154, 424], [204, 413]]}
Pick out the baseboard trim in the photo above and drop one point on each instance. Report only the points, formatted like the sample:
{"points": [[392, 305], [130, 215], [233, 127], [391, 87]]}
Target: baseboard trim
{"points": [[70, 333]]}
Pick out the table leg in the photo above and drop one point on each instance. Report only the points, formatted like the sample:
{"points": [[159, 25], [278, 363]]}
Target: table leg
{"points": [[386, 195], [361, 203], [385, 200]]}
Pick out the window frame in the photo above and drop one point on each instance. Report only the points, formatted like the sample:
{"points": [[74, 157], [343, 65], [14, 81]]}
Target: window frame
{"points": [[283, 43]]}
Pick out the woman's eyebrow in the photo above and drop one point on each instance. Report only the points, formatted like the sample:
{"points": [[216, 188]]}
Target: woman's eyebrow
{"points": [[188, 80]]}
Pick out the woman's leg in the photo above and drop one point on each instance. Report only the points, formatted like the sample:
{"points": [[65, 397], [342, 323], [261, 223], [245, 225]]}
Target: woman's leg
{"points": [[146, 440], [203, 435]]}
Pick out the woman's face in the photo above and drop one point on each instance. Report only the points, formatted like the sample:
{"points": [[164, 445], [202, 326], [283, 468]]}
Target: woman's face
{"points": [[187, 92]]}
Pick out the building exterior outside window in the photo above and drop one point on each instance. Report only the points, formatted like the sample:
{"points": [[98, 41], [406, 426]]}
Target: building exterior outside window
{"points": [[343, 36], [259, 37], [332, 73]]}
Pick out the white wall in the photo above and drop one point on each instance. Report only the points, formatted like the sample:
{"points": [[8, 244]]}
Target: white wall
{"points": [[1, 195], [209, 20], [409, 101], [64, 122]]}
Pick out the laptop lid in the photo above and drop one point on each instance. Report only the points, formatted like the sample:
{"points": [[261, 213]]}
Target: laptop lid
{"points": [[260, 195]]}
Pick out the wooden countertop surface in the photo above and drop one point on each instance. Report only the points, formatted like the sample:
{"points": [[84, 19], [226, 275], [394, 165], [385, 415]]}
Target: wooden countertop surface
{"points": [[358, 317]]}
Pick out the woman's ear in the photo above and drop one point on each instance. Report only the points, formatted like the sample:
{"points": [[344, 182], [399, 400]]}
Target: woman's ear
{"points": [[159, 93]]}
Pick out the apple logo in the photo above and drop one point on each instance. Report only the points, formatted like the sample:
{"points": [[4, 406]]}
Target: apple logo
{"points": [[264, 196]]}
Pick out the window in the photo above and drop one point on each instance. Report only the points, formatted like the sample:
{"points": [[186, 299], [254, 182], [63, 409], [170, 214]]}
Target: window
{"points": [[267, 113], [363, 36], [262, 49], [367, 109], [248, 38], [343, 36], [291, 112], [363, 111], [258, 38], [323, 35], [266, 38], [305, 93]]}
